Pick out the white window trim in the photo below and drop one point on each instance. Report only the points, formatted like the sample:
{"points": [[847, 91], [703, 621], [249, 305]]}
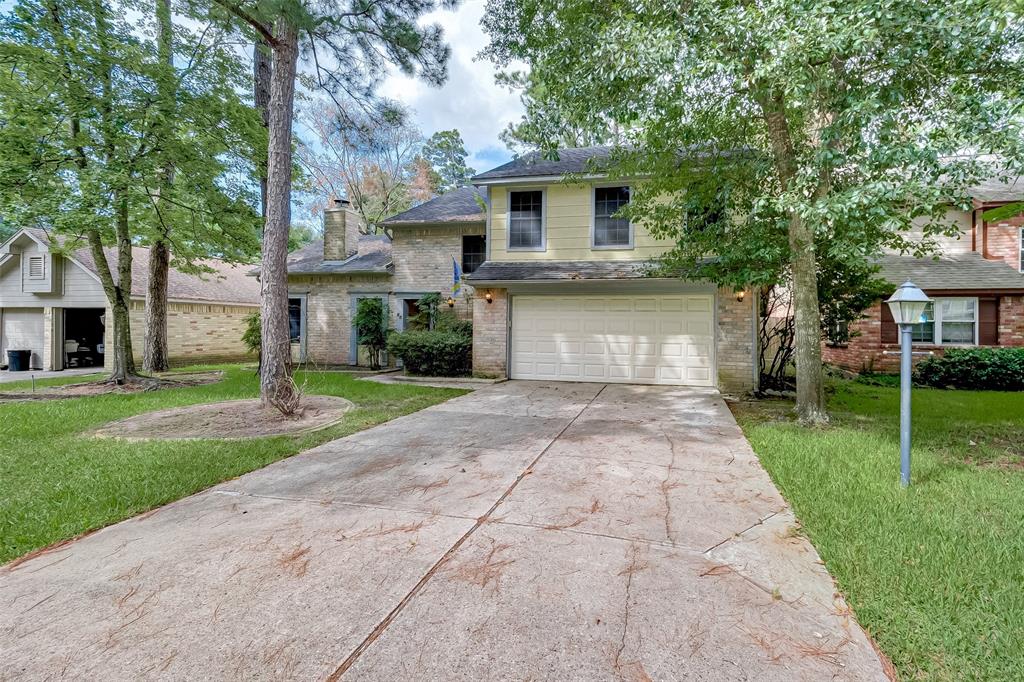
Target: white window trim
{"points": [[543, 219], [42, 266], [937, 322], [1020, 249], [593, 220]]}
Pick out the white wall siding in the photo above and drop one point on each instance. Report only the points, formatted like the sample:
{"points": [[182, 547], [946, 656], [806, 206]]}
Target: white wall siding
{"points": [[22, 329], [77, 289]]}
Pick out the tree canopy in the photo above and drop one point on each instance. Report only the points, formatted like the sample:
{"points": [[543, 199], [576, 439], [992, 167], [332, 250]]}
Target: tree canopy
{"points": [[446, 153]]}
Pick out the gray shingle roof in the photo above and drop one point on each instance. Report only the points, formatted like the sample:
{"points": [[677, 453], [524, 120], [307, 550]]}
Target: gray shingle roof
{"points": [[225, 283], [374, 256], [967, 271], [996, 190], [457, 206], [573, 160], [559, 271]]}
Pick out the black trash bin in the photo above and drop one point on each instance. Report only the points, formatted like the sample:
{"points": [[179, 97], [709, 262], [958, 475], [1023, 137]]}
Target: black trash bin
{"points": [[18, 360]]}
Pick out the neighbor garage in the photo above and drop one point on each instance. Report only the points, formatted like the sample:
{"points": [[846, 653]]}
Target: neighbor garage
{"points": [[638, 339]]}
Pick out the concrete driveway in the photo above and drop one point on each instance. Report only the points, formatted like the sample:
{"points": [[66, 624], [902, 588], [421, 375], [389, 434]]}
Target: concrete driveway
{"points": [[525, 531]]}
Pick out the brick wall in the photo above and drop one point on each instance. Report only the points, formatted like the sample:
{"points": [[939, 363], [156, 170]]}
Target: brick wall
{"points": [[866, 353], [1002, 241], [490, 333], [197, 333], [735, 342], [423, 261], [341, 233], [329, 312]]}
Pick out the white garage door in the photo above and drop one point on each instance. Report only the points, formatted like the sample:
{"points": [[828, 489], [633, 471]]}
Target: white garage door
{"points": [[663, 339], [23, 330]]}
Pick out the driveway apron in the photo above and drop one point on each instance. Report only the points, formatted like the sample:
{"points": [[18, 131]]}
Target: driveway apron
{"points": [[525, 531]]}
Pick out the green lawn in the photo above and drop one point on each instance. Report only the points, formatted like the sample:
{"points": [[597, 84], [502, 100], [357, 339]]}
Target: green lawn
{"points": [[56, 483], [935, 573]]}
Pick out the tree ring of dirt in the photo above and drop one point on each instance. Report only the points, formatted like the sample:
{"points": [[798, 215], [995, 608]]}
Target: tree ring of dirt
{"points": [[232, 419]]}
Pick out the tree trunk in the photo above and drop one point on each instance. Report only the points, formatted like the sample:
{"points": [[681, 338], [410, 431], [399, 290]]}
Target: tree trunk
{"points": [[154, 350], [118, 296], [154, 353], [810, 385], [261, 75], [276, 387]]}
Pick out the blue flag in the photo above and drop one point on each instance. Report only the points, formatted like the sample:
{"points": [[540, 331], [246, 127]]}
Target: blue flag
{"points": [[456, 277]]}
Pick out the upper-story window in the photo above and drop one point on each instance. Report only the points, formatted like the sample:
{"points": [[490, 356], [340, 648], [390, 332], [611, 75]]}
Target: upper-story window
{"points": [[474, 252], [952, 321], [611, 230], [526, 220]]}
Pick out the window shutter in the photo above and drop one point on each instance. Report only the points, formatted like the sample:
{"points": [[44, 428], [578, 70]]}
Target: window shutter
{"points": [[988, 321], [890, 333]]}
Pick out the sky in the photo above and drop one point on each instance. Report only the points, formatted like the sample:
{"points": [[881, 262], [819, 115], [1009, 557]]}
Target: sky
{"points": [[470, 100]]}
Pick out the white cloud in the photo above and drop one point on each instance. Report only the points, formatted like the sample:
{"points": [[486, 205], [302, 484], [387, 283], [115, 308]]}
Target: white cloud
{"points": [[469, 100]]}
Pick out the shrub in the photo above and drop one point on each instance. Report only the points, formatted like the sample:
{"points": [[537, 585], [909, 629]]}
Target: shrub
{"points": [[372, 329], [438, 353], [991, 369]]}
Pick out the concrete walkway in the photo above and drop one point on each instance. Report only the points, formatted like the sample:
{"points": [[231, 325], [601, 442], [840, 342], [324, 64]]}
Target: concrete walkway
{"points": [[525, 531]]}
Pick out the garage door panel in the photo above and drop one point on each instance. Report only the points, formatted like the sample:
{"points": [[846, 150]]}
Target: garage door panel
{"points": [[651, 339]]}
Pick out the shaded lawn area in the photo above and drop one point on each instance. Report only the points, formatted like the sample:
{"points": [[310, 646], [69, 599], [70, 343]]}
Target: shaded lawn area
{"points": [[935, 573], [56, 483]]}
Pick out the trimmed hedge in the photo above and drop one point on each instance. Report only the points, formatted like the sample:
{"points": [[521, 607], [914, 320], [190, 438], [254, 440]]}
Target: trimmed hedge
{"points": [[980, 369], [437, 353]]}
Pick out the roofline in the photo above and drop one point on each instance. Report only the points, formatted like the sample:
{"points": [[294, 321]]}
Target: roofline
{"points": [[414, 223], [49, 248], [518, 179]]}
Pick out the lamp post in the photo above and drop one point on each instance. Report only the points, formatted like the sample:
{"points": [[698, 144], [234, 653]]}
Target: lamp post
{"points": [[907, 306]]}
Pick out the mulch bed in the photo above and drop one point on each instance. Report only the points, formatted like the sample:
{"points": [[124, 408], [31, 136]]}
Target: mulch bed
{"points": [[228, 420], [104, 386]]}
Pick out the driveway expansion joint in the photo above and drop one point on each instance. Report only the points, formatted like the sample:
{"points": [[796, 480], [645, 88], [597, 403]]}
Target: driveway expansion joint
{"points": [[384, 624]]}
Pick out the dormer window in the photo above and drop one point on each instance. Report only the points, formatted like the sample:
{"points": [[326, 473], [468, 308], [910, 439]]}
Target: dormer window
{"points": [[37, 267], [611, 231]]}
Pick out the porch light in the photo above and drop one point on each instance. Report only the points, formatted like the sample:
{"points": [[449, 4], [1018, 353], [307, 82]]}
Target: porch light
{"points": [[740, 295], [907, 306], [450, 302], [488, 297]]}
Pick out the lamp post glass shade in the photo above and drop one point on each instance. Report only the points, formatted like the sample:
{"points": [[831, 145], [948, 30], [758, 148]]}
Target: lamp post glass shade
{"points": [[908, 304]]}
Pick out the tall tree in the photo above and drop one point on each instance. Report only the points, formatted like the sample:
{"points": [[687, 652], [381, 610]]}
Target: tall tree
{"points": [[349, 44], [367, 157], [804, 125], [446, 153]]}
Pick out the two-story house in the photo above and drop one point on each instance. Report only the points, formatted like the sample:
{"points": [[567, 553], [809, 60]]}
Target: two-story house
{"points": [[563, 296], [975, 281]]}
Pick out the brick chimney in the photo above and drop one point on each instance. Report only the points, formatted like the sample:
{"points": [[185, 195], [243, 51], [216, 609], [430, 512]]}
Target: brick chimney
{"points": [[341, 230]]}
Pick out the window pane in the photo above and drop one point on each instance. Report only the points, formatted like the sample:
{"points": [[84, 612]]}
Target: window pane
{"points": [[609, 230], [957, 310], [473, 252], [957, 332], [295, 318], [525, 219], [925, 332]]}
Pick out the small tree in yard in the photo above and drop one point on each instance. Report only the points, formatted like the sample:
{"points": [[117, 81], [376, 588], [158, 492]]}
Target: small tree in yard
{"points": [[770, 134], [372, 329], [251, 336]]}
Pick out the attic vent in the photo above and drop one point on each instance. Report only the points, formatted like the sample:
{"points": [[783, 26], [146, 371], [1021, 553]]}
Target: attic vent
{"points": [[36, 267]]}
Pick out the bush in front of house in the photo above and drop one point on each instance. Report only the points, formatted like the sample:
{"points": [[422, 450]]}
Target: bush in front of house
{"points": [[979, 369], [437, 353]]}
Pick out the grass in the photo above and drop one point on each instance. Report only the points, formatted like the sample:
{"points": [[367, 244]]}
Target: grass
{"points": [[935, 573], [56, 483]]}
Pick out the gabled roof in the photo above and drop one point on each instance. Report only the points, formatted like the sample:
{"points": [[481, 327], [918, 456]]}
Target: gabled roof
{"points": [[969, 271], [462, 205], [373, 257], [572, 160], [226, 283]]}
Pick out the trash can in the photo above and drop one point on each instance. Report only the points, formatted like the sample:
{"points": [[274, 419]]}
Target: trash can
{"points": [[18, 360]]}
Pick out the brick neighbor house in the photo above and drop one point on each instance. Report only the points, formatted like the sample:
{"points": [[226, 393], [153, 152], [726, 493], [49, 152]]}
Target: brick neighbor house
{"points": [[53, 305], [976, 282]]}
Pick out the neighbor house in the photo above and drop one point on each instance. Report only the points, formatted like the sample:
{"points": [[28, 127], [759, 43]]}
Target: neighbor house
{"points": [[53, 305], [327, 278], [563, 294], [975, 281]]}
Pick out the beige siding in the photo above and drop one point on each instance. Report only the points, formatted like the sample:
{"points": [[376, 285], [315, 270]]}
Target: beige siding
{"points": [[948, 245], [76, 288], [568, 215]]}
